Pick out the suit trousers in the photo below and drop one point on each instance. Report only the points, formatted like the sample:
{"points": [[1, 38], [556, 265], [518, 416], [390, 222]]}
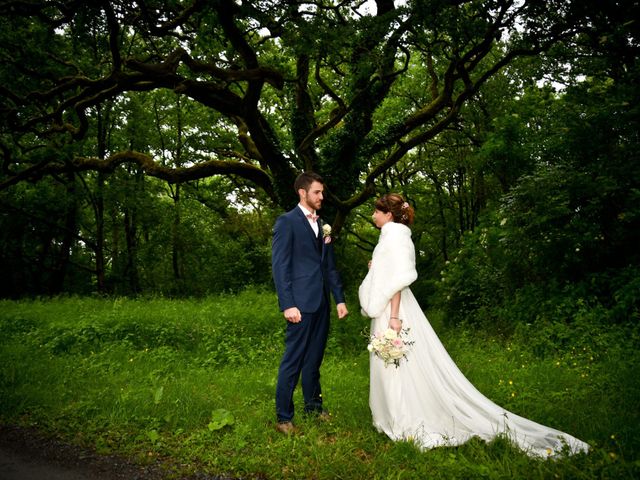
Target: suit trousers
{"points": [[305, 343]]}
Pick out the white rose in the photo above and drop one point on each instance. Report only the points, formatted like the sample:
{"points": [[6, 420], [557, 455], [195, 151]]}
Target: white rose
{"points": [[396, 354], [390, 334], [326, 230]]}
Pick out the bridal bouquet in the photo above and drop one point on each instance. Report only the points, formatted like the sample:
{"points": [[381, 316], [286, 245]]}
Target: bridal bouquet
{"points": [[389, 346]]}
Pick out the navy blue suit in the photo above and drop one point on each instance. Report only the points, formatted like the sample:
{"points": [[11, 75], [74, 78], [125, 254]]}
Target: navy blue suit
{"points": [[305, 274]]}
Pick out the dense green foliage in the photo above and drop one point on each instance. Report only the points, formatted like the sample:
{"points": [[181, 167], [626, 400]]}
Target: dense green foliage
{"points": [[567, 231], [148, 151], [189, 384]]}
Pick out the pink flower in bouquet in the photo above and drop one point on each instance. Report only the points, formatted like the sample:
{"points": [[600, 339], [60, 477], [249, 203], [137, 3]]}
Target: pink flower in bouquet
{"points": [[389, 346]]}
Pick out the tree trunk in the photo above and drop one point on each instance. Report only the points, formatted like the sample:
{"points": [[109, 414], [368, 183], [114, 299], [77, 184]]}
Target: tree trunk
{"points": [[177, 241], [176, 250], [99, 251], [61, 264], [130, 231], [441, 213], [102, 129]]}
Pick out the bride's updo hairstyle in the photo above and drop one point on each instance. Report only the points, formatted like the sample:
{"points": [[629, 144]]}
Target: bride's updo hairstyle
{"points": [[401, 211]]}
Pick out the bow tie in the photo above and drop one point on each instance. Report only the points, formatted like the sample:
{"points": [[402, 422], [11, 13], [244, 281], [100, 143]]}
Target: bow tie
{"points": [[312, 217]]}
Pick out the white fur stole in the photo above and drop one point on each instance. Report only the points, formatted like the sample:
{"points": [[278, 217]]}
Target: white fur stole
{"points": [[393, 267]]}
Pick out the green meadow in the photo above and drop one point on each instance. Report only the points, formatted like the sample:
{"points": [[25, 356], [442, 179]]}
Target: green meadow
{"points": [[189, 385]]}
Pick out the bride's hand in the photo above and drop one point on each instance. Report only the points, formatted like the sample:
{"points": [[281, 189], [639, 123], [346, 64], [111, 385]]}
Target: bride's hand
{"points": [[369, 264], [395, 324]]}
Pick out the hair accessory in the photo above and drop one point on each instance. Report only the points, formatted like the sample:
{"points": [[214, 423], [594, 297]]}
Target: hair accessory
{"points": [[405, 205]]}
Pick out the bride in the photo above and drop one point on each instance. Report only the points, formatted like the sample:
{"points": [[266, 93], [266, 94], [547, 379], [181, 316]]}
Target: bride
{"points": [[427, 399]]}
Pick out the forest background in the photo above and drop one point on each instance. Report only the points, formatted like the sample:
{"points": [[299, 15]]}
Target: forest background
{"points": [[147, 148]]}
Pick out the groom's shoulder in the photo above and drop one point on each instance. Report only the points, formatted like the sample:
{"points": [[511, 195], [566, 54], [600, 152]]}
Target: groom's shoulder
{"points": [[286, 217], [293, 213]]}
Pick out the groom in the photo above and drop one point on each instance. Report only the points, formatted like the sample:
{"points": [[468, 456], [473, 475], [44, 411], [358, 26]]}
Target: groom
{"points": [[304, 273]]}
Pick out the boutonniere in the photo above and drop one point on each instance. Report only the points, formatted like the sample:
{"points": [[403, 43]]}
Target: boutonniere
{"points": [[326, 233]]}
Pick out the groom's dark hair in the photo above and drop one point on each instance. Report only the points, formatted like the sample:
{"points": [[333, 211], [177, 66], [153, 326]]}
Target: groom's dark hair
{"points": [[305, 179]]}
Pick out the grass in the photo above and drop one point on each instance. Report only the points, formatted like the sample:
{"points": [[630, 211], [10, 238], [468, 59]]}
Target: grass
{"points": [[190, 384]]}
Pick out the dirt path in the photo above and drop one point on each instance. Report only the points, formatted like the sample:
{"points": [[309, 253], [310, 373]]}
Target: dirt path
{"points": [[27, 455], [21, 466]]}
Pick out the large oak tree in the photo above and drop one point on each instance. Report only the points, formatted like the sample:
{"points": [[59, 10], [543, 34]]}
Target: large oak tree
{"points": [[346, 88]]}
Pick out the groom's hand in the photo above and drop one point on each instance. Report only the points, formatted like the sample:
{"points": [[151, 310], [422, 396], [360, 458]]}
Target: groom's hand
{"points": [[292, 315], [342, 310]]}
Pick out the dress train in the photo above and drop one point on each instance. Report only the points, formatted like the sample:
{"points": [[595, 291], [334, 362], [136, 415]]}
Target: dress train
{"points": [[429, 401]]}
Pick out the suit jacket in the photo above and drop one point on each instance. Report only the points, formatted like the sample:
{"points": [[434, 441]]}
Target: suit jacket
{"points": [[303, 265]]}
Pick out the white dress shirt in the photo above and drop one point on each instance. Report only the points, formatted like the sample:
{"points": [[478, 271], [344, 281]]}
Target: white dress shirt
{"points": [[313, 224]]}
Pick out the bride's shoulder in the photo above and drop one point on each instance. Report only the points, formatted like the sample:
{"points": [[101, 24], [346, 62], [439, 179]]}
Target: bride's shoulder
{"points": [[393, 230]]}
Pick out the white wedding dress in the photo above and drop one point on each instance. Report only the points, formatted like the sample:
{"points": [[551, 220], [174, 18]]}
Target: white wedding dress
{"points": [[427, 399]]}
